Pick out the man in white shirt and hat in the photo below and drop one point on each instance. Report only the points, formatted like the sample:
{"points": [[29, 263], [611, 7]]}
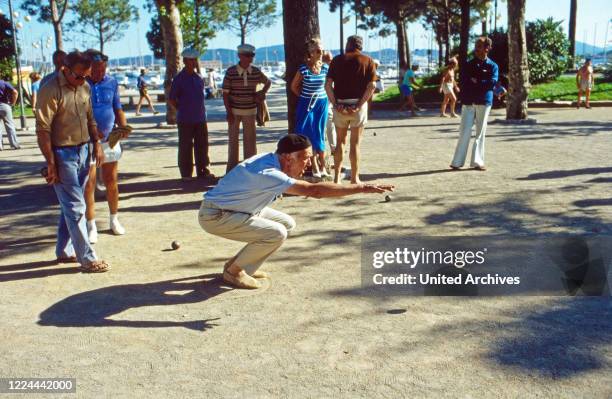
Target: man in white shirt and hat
{"points": [[240, 96]]}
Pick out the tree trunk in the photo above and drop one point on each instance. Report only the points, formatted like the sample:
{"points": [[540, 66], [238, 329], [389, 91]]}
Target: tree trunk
{"points": [[300, 20], [170, 23], [518, 69], [57, 25], [465, 32], [101, 37], [242, 34], [572, 34], [341, 27], [440, 52], [408, 60], [447, 29], [402, 57]]}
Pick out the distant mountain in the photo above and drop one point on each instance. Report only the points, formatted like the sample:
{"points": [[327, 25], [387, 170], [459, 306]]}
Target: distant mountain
{"points": [[264, 54], [587, 49]]}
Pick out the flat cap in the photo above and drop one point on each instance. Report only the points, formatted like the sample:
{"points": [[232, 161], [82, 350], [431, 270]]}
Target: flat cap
{"points": [[246, 49], [292, 143]]}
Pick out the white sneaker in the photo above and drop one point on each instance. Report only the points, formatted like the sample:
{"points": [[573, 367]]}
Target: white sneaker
{"points": [[324, 173], [116, 227], [92, 232]]}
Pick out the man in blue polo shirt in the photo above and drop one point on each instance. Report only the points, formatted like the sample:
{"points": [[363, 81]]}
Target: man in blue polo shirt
{"points": [[477, 80], [187, 96], [238, 207], [107, 112]]}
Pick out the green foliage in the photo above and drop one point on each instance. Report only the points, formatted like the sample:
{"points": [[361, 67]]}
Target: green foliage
{"points": [[200, 21], [547, 49], [247, 16], [42, 8], [7, 55], [107, 18], [607, 74]]}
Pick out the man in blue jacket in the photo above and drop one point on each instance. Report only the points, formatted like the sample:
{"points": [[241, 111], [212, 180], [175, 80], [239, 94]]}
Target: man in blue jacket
{"points": [[477, 80]]}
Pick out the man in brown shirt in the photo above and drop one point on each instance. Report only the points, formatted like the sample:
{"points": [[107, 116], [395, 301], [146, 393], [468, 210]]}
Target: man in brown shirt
{"points": [[65, 127], [350, 84]]}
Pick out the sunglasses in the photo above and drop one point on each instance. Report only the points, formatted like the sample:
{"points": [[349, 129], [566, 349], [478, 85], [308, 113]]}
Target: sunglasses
{"points": [[74, 75], [250, 55], [319, 51], [99, 58]]}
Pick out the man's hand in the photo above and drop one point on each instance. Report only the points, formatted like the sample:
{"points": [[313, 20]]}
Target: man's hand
{"points": [[377, 188], [99, 154], [52, 175], [260, 97]]}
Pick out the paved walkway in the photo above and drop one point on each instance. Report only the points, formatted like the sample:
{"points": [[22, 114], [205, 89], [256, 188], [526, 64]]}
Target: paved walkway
{"points": [[162, 324]]}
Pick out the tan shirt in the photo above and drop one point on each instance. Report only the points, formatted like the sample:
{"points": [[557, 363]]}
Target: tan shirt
{"points": [[65, 112]]}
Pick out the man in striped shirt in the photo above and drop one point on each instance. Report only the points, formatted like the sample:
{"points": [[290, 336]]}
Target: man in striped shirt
{"points": [[241, 97]]}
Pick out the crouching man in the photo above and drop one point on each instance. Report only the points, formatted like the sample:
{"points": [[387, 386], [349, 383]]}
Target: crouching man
{"points": [[238, 207]]}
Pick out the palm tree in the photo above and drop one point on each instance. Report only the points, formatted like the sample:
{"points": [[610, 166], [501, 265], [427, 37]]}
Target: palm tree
{"points": [[300, 23], [170, 23], [572, 33], [518, 68]]}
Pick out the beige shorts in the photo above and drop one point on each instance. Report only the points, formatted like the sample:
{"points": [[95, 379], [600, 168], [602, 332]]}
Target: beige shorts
{"points": [[585, 85], [358, 119]]}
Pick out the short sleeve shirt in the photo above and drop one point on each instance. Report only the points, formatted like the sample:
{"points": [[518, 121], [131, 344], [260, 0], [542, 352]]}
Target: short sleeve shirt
{"points": [[351, 74], [313, 84], [407, 76], [104, 101], [6, 92], [252, 185], [35, 86], [140, 82], [188, 91], [241, 88]]}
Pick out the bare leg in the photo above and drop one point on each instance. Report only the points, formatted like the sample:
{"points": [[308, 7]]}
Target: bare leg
{"points": [[588, 97], [315, 164], [109, 175], [322, 160], [443, 106], [150, 104], [339, 153], [355, 154], [139, 105], [579, 98], [453, 103]]}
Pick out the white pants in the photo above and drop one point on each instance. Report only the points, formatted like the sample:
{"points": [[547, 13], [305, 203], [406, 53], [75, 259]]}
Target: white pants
{"points": [[469, 115], [264, 232]]}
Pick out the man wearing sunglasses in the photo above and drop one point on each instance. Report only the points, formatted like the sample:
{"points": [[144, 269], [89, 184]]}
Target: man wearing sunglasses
{"points": [[107, 112], [66, 127], [241, 97]]}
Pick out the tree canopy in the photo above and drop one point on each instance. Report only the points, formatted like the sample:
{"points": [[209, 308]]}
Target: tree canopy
{"points": [[247, 16]]}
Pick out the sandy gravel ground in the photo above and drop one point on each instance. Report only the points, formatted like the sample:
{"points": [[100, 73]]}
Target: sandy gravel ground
{"points": [[162, 324]]}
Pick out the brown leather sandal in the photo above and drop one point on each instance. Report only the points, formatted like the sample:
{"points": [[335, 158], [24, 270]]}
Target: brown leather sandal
{"points": [[97, 266]]}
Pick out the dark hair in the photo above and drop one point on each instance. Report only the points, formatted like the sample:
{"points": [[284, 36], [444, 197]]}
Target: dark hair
{"points": [[142, 70], [96, 55], [58, 53], [485, 40], [75, 58]]}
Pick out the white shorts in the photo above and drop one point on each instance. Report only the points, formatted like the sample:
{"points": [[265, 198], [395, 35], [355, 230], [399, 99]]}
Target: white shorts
{"points": [[447, 88], [111, 154], [585, 85], [357, 119]]}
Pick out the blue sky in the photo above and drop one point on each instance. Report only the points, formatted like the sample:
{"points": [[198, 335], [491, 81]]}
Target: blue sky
{"points": [[591, 28]]}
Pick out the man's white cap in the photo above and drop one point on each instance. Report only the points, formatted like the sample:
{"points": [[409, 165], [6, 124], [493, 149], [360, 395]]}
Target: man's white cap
{"points": [[246, 49], [190, 52]]}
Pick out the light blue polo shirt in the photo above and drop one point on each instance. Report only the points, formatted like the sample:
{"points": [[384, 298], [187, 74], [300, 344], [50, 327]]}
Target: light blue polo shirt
{"points": [[104, 101], [252, 185]]}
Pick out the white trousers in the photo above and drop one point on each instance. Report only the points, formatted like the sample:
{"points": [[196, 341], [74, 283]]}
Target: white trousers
{"points": [[264, 232], [469, 115]]}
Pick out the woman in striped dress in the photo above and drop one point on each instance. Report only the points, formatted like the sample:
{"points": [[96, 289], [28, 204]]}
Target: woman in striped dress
{"points": [[311, 113]]}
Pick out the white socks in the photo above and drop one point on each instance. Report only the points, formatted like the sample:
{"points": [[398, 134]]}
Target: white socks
{"points": [[92, 231], [116, 227]]}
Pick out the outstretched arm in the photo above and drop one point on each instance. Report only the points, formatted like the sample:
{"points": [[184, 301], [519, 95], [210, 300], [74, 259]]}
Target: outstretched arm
{"points": [[328, 189]]}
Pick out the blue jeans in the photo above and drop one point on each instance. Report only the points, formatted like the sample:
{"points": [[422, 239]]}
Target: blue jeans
{"points": [[73, 170]]}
